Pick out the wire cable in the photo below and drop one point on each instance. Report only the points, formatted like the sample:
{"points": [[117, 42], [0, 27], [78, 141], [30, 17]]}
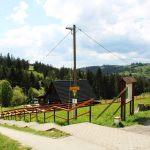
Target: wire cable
{"points": [[56, 45], [91, 38]]}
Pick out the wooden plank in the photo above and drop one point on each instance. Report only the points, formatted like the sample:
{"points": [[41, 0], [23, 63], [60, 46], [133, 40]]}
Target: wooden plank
{"points": [[80, 115], [60, 117], [82, 104]]}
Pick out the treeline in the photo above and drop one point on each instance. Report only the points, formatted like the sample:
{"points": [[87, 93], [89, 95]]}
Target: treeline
{"points": [[107, 85], [14, 96], [19, 73], [104, 85], [16, 71]]}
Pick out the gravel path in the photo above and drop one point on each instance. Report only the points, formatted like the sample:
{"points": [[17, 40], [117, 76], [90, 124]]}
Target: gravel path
{"points": [[43, 143], [111, 138], [144, 130], [84, 136]]}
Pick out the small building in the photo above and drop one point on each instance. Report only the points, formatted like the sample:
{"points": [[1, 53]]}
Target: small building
{"points": [[59, 93], [129, 80], [127, 83]]}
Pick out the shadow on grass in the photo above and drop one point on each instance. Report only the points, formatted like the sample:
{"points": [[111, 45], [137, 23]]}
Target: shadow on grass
{"points": [[120, 125], [141, 120]]}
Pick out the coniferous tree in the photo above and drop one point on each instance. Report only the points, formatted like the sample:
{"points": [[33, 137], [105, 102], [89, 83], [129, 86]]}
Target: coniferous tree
{"points": [[6, 93], [32, 79], [98, 83]]}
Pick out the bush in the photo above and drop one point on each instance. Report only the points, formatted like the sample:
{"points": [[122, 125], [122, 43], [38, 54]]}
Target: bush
{"points": [[33, 92], [18, 96], [6, 93]]}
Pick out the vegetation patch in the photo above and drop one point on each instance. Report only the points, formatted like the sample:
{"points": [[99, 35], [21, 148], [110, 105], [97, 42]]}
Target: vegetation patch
{"points": [[7, 143], [53, 133], [107, 119]]}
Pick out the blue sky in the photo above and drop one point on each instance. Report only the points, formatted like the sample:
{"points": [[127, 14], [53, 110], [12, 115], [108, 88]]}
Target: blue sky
{"points": [[29, 29]]}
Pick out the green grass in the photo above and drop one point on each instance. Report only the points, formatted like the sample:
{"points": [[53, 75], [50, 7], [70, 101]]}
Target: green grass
{"points": [[9, 108], [7, 143], [106, 119], [31, 67], [143, 70], [36, 74], [53, 133]]}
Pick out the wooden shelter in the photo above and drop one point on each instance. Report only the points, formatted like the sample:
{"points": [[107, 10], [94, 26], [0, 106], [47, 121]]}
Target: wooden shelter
{"points": [[129, 83], [59, 92]]}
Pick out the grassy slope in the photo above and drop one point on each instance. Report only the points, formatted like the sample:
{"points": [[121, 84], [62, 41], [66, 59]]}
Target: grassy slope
{"points": [[54, 133], [140, 71], [137, 70], [36, 74], [10, 144], [106, 119]]}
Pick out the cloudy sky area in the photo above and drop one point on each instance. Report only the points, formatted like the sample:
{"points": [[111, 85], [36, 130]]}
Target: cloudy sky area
{"points": [[31, 28]]}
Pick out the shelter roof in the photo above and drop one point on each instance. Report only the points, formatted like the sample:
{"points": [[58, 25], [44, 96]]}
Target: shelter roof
{"points": [[129, 80], [62, 88]]}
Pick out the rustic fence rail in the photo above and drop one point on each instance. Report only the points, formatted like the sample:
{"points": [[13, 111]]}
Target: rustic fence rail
{"points": [[33, 112]]}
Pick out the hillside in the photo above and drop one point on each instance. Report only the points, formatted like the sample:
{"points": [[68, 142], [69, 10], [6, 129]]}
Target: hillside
{"points": [[104, 81], [136, 69]]}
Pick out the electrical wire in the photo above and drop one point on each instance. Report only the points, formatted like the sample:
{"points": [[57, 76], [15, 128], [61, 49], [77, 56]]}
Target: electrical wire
{"points": [[56, 45], [91, 38]]}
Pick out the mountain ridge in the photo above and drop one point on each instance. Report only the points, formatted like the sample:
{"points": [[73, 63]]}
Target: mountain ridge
{"points": [[136, 69]]}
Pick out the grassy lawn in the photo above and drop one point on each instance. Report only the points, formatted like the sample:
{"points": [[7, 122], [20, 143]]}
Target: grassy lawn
{"points": [[10, 144], [106, 119], [53, 133]]}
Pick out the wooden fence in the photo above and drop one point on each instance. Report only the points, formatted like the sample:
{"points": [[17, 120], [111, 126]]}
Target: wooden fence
{"points": [[33, 112]]}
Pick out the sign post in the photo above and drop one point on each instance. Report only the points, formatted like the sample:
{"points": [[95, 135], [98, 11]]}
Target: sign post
{"points": [[74, 90]]}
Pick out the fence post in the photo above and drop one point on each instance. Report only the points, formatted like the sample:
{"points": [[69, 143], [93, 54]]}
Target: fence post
{"points": [[68, 117], [124, 110], [90, 108], [24, 115], [133, 92], [20, 116], [30, 116], [76, 113], [123, 103], [15, 116], [36, 115], [54, 116], [44, 117]]}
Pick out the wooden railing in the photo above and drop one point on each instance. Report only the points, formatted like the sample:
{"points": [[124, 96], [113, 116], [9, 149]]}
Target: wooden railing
{"points": [[113, 101], [34, 111]]}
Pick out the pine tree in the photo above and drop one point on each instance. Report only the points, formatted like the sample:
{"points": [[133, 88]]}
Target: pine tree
{"points": [[32, 79], [98, 83], [6, 93]]}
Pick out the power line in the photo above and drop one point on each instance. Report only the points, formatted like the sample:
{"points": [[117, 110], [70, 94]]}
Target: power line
{"points": [[56, 45], [91, 38]]}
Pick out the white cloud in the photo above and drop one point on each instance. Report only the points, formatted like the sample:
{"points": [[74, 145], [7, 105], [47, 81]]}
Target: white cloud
{"points": [[33, 43], [19, 12], [102, 17], [121, 26], [39, 2]]}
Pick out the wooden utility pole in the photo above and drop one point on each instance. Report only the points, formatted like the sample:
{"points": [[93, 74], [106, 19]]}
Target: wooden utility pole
{"points": [[74, 88], [73, 29], [74, 55]]}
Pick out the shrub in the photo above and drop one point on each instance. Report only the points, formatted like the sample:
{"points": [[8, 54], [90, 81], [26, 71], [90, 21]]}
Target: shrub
{"points": [[18, 96], [6, 93], [33, 92]]}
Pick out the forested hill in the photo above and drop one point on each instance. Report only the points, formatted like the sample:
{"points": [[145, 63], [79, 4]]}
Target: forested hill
{"points": [[136, 69], [34, 79]]}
